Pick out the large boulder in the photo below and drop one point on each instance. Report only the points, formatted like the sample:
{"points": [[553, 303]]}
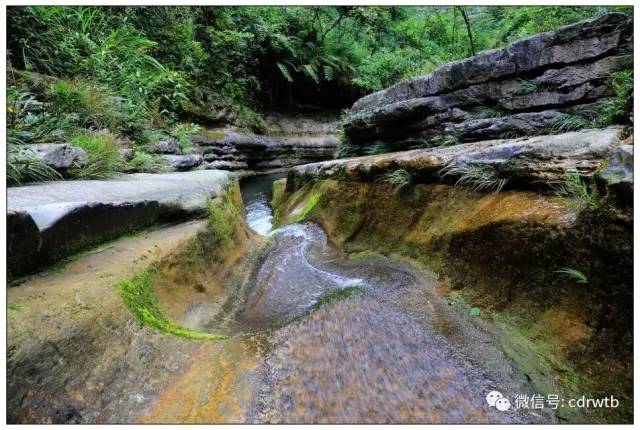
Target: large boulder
{"points": [[583, 41], [60, 156], [48, 221], [518, 90], [166, 146], [617, 174]]}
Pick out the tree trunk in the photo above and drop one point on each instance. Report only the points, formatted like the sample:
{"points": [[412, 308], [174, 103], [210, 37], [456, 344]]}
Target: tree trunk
{"points": [[472, 48]]}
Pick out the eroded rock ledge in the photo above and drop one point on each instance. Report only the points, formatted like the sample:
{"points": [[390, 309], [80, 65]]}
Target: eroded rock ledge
{"points": [[49, 221], [532, 162], [523, 89]]}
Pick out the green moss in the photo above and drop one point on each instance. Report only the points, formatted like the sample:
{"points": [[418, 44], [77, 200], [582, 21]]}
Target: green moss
{"points": [[278, 196], [138, 297], [311, 203], [534, 357], [335, 295]]}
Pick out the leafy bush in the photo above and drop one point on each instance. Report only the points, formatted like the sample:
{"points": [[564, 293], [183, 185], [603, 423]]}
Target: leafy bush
{"points": [[103, 156], [183, 132]]}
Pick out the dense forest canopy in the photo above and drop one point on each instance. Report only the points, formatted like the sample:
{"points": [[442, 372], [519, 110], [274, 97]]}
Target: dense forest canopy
{"points": [[198, 59], [107, 77]]}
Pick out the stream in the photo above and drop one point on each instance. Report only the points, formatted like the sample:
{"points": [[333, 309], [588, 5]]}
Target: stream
{"points": [[363, 338]]}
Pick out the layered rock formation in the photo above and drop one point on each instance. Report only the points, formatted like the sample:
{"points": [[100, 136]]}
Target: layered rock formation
{"points": [[533, 162], [252, 153], [525, 88]]}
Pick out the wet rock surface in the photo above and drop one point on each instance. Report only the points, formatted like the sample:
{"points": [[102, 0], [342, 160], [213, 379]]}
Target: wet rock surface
{"points": [[393, 353], [560, 72]]}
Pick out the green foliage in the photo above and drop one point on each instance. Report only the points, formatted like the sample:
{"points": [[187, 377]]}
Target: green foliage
{"points": [[526, 87], [103, 157], [444, 140], [474, 312], [618, 109], [24, 166], [574, 274], [398, 179], [565, 122], [574, 192], [335, 295], [378, 147], [183, 132], [145, 162], [478, 177], [137, 295], [483, 112], [162, 59], [223, 218]]}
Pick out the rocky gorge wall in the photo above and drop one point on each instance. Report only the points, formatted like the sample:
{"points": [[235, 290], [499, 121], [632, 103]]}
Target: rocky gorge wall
{"points": [[524, 89], [501, 207]]}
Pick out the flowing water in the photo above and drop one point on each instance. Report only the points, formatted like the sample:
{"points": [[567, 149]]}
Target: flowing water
{"points": [[387, 348]]}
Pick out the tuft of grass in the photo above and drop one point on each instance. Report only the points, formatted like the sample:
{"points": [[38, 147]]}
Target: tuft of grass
{"points": [[444, 140], [24, 166], [137, 295], [574, 274], [223, 217], [90, 104], [103, 159], [145, 162], [565, 122], [399, 179], [478, 177], [378, 147], [573, 192], [344, 148], [526, 87], [335, 295], [483, 112]]}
